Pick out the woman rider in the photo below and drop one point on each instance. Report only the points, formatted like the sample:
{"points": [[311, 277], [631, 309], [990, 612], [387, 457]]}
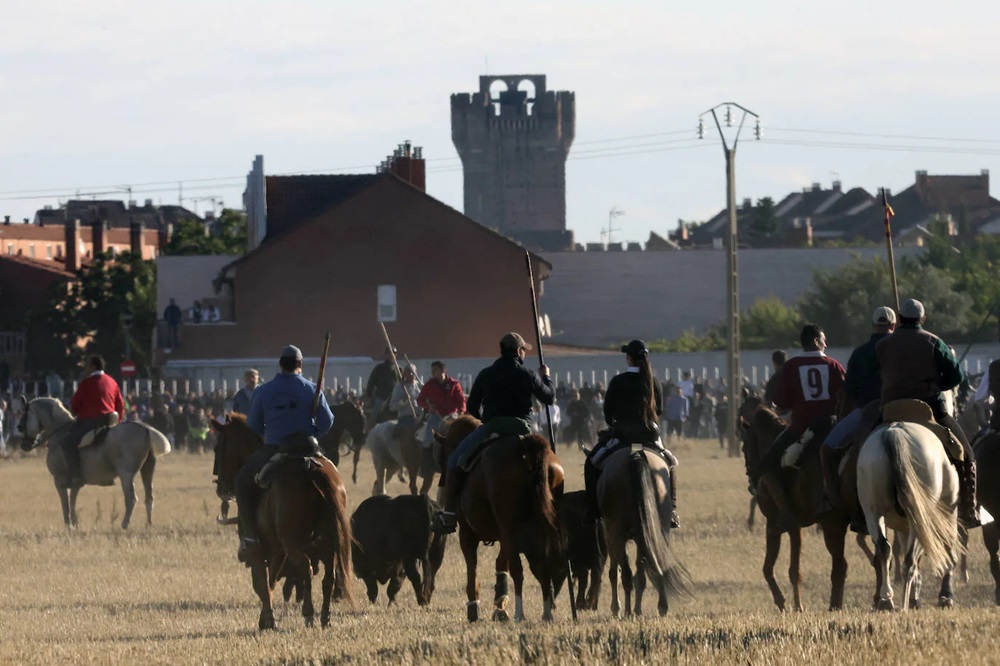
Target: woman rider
{"points": [[633, 405]]}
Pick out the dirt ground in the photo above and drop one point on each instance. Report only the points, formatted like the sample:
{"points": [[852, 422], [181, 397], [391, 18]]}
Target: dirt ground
{"points": [[174, 593]]}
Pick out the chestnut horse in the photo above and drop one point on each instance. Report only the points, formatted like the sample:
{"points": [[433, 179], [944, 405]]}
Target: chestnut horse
{"points": [[988, 491], [300, 518], [510, 496], [761, 426]]}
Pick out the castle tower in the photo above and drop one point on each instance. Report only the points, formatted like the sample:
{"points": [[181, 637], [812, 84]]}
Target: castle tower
{"points": [[513, 137]]}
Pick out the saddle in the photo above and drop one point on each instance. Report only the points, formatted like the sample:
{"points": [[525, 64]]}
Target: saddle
{"points": [[94, 437], [297, 450], [609, 445], [498, 428], [917, 411]]}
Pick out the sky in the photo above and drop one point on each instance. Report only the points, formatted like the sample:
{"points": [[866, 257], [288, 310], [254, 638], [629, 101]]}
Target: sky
{"points": [[104, 95]]}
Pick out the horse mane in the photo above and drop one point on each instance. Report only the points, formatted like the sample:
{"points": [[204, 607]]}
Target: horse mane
{"points": [[767, 417]]}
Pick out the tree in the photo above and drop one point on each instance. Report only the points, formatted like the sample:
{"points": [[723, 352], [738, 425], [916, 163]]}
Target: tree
{"points": [[769, 323], [86, 316], [228, 235], [764, 222], [842, 301]]}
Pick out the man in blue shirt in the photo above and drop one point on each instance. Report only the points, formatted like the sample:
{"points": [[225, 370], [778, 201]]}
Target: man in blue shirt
{"points": [[678, 409], [280, 409]]}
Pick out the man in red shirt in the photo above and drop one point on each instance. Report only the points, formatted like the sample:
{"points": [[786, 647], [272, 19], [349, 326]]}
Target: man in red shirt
{"points": [[809, 387], [96, 403]]}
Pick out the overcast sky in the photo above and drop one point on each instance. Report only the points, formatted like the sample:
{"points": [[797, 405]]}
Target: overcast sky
{"points": [[118, 92]]}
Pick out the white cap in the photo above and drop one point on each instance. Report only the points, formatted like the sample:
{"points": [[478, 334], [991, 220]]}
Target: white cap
{"points": [[911, 308], [883, 316]]}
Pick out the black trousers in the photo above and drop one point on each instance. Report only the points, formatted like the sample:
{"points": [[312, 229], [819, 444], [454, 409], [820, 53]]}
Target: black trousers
{"points": [[246, 489], [70, 443]]}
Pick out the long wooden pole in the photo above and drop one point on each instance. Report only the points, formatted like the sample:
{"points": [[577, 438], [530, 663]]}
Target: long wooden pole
{"points": [[322, 375], [548, 417], [888, 244], [399, 373]]}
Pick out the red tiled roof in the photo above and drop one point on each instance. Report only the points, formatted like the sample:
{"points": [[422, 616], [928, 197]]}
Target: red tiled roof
{"points": [[55, 267]]}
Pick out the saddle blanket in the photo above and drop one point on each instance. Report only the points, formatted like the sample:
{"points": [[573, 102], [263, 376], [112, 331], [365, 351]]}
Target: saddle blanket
{"points": [[602, 453], [94, 437], [266, 474], [917, 411]]}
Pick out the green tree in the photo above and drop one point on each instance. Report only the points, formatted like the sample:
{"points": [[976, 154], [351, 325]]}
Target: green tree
{"points": [[842, 301], [228, 235], [764, 222], [769, 323], [91, 310]]}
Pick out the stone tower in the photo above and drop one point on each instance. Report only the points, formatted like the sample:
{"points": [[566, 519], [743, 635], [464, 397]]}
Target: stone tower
{"points": [[513, 137]]}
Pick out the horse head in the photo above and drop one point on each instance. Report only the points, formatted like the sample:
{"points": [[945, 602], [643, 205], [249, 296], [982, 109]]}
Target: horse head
{"points": [[235, 442]]}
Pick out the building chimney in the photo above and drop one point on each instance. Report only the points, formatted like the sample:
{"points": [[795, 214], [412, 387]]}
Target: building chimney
{"points": [[6, 220], [407, 162], [72, 245], [166, 231], [135, 238], [97, 238]]}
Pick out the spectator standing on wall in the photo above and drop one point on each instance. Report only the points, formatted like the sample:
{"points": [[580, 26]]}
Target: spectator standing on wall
{"points": [[173, 316]]}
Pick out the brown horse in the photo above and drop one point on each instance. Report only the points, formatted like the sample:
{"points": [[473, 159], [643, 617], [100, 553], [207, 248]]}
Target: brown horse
{"points": [[988, 492], [511, 497], [300, 518], [760, 426]]}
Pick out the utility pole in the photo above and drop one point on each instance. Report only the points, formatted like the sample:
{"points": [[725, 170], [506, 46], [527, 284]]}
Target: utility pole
{"points": [[734, 369]]}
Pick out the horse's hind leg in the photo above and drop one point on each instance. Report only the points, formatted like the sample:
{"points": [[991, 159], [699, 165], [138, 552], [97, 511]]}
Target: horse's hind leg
{"points": [[963, 536], [627, 584], [991, 539], [883, 554], [73, 518], [64, 500], [501, 591], [772, 548], [639, 584], [470, 550], [794, 560], [946, 595], [128, 491], [299, 566], [262, 587], [834, 534], [146, 471]]}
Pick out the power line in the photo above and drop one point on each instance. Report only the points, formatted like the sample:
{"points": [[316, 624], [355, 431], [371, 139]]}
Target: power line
{"points": [[883, 136], [949, 150]]}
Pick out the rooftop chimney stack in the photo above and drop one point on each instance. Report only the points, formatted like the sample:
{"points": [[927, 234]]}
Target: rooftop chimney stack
{"points": [[135, 238], [72, 245], [407, 162]]}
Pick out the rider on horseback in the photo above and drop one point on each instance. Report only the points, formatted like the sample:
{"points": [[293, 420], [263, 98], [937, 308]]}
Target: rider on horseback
{"points": [[632, 407], [809, 388], [863, 389], [501, 395], [281, 409], [917, 364], [97, 403]]}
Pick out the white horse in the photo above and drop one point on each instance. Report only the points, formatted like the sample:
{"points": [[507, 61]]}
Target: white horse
{"points": [[903, 467], [128, 448], [395, 446]]}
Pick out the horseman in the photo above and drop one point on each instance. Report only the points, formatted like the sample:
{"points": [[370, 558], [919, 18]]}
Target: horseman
{"points": [[97, 403], [915, 363], [440, 397], [633, 406], [809, 388], [404, 392], [862, 390], [501, 398], [380, 383], [281, 410]]}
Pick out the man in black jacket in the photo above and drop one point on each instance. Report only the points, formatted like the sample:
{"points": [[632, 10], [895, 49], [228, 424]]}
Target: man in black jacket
{"points": [[501, 399], [381, 382]]}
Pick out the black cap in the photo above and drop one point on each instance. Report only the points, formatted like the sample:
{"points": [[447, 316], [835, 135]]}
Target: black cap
{"points": [[635, 349]]}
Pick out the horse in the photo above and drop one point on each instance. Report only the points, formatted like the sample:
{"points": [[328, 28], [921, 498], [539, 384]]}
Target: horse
{"points": [[907, 483], [510, 496], [760, 426], [633, 494], [349, 418], [988, 494], [127, 448], [394, 446], [302, 517]]}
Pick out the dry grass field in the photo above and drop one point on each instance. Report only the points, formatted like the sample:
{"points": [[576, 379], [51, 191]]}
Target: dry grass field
{"points": [[174, 593]]}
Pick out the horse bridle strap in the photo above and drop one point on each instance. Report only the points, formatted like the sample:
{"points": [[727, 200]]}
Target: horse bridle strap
{"points": [[42, 437]]}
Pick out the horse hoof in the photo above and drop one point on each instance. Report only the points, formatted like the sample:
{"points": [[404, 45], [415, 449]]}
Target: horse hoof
{"points": [[500, 615], [266, 622], [472, 611], [324, 620], [945, 602], [884, 605], [310, 621], [915, 604]]}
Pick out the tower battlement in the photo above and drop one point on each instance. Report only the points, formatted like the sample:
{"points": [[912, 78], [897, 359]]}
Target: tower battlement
{"points": [[513, 137]]}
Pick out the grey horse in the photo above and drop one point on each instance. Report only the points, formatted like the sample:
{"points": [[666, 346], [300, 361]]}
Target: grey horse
{"points": [[128, 448]]}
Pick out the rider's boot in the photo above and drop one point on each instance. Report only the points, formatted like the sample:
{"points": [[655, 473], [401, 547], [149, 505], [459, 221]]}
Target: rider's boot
{"points": [[74, 467], [446, 520], [246, 503], [592, 511], [968, 512], [675, 521]]}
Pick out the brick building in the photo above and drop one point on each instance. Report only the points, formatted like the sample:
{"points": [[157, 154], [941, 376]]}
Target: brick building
{"points": [[513, 137], [339, 253], [48, 242]]}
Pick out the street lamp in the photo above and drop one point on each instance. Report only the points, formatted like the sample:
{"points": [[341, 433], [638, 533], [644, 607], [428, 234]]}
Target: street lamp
{"points": [[732, 244]]}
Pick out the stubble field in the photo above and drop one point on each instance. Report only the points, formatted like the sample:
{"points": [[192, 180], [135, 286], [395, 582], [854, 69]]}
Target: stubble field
{"points": [[174, 593]]}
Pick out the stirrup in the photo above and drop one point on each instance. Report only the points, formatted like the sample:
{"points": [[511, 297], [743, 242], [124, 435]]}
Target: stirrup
{"points": [[249, 547], [675, 521], [445, 522]]}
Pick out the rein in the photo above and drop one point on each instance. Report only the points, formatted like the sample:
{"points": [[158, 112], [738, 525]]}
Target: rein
{"points": [[41, 437]]}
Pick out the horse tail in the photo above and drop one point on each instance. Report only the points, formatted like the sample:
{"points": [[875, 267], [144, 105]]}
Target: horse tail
{"points": [[536, 452], [932, 520], [651, 516], [158, 442], [334, 510]]}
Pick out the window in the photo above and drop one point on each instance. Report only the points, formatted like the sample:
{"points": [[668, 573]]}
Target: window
{"points": [[48, 251], [10, 249], [31, 250], [387, 302]]}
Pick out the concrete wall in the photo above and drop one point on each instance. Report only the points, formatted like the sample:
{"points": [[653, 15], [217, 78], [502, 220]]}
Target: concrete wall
{"points": [[603, 298]]}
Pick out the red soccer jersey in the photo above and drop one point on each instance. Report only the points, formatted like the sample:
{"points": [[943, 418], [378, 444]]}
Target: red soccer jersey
{"points": [[810, 387], [96, 396]]}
